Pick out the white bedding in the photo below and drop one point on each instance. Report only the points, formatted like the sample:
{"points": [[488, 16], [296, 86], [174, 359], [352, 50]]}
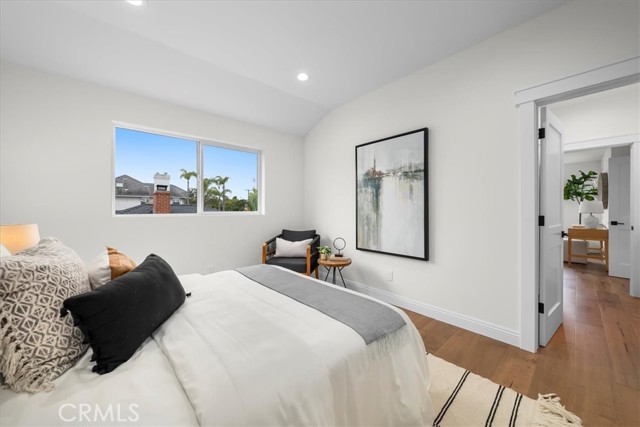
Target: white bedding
{"points": [[239, 354], [142, 392]]}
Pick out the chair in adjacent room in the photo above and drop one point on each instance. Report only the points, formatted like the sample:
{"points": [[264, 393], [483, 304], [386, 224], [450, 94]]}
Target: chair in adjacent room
{"points": [[294, 250]]}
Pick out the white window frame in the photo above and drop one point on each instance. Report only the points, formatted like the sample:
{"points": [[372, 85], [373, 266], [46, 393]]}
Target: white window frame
{"points": [[201, 142]]}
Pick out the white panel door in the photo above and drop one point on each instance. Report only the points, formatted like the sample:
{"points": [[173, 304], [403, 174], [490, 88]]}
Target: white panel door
{"points": [[634, 281], [551, 184], [620, 217]]}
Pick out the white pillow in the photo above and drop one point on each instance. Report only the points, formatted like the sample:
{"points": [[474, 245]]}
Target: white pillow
{"points": [[109, 265], [99, 271], [285, 248], [4, 251]]}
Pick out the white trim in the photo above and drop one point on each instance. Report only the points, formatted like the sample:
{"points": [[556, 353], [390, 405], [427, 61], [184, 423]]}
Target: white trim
{"points": [[112, 190], [487, 329], [529, 233], [199, 182], [527, 101], [608, 77], [613, 141], [634, 284]]}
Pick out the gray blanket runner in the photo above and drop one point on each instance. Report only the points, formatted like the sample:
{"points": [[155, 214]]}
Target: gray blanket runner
{"points": [[368, 318]]}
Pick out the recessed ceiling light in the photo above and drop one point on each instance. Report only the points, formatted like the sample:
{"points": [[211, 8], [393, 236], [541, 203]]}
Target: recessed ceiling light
{"points": [[136, 2], [303, 77]]}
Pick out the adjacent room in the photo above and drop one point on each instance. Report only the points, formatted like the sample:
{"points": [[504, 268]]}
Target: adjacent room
{"points": [[345, 213]]}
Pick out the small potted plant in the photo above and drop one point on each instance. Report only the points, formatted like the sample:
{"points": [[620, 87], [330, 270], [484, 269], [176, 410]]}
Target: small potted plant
{"points": [[324, 251], [581, 188]]}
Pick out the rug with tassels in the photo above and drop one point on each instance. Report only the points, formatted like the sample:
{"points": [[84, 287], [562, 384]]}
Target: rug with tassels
{"points": [[463, 399]]}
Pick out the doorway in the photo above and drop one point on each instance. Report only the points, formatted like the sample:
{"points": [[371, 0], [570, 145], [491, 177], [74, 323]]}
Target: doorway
{"points": [[527, 102], [604, 119]]}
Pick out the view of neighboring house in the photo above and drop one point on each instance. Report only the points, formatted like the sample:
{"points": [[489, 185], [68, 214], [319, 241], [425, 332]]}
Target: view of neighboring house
{"points": [[135, 197]]}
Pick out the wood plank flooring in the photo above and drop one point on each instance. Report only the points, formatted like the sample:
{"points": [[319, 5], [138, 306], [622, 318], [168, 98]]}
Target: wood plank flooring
{"points": [[592, 362]]}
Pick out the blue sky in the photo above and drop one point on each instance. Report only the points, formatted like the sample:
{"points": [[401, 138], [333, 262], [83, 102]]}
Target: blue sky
{"points": [[141, 154]]}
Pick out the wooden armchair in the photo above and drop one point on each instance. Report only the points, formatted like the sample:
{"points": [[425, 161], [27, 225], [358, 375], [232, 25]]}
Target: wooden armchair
{"points": [[304, 264]]}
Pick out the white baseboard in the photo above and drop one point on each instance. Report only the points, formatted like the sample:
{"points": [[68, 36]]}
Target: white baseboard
{"points": [[487, 329]]}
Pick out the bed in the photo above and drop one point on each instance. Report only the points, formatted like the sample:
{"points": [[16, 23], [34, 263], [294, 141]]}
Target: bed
{"points": [[241, 353]]}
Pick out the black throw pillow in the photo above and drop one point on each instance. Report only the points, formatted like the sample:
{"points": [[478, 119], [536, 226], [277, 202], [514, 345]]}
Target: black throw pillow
{"points": [[117, 317], [296, 236]]}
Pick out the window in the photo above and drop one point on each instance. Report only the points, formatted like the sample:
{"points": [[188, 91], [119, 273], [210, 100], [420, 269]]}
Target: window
{"points": [[230, 183], [161, 174]]}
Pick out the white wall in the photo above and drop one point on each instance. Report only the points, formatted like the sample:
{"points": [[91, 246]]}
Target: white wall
{"points": [[56, 142], [570, 208], [601, 115], [467, 103], [604, 162]]}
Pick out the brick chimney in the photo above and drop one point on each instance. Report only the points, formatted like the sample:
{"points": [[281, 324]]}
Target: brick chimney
{"points": [[161, 193]]}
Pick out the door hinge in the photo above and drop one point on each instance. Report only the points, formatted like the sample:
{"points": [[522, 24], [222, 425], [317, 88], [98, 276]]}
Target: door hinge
{"points": [[541, 133], [541, 307], [540, 220]]}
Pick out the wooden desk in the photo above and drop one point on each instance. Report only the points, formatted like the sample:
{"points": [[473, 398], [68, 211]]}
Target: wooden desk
{"points": [[335, 263], [598, 234]]}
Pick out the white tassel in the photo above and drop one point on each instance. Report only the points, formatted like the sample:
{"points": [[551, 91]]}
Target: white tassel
{"points": [[550, 413], [19, 373], [10, 353]]}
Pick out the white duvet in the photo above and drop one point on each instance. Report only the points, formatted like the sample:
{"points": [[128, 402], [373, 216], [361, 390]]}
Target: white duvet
{"points": [[239, 354]]}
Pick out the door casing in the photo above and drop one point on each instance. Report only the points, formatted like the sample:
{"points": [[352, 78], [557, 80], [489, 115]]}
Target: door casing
{"points": [[527, 102]]}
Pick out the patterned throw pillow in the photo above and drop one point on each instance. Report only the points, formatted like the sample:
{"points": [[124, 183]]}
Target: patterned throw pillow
{"points": [[36, 345], [109, 265]]}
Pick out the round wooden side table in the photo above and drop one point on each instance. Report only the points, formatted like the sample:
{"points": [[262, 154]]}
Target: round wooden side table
{"points": [[335, 263]]}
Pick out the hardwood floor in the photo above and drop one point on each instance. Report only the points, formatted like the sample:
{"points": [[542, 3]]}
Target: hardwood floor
{"points": [[592, 362]]}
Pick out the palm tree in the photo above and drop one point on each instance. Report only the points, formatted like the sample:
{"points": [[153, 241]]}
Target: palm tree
{"points": [[210, 194], [252, 199], [220, 183], [188, 175]]}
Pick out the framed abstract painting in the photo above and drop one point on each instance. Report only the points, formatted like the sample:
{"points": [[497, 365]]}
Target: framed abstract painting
{"points": [[392, 210]]}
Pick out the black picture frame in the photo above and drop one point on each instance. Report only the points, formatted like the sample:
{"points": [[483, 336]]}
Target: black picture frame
{"points": [[392, 203]]}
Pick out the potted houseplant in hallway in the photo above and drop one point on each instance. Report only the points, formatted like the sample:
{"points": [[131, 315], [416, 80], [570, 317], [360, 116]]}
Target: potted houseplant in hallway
{"points": [[324, 251], [581, 188]]}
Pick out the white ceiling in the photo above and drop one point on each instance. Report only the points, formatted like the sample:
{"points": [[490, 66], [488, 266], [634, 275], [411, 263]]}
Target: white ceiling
{"points": [[239, 59], [606, 106]]}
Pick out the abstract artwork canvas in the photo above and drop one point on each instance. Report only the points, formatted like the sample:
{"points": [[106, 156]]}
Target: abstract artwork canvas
{"points": [[391, 195]]}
